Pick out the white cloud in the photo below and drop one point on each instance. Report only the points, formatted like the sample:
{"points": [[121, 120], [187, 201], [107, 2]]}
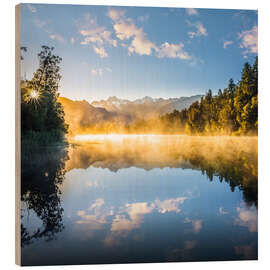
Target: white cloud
{"points": [[137, 41], [45, 26], [247, 218], [126, 29], [200, 30], [192, 11], [136, 211], [57, 37], [97, 36], [227, 43], [170, 205], [100, 51], [97, 204], [173, 51], [249, 40], [116, 14]]}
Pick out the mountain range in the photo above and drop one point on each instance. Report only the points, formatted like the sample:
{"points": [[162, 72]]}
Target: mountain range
{"points": [[146, 107], [82, 114]]}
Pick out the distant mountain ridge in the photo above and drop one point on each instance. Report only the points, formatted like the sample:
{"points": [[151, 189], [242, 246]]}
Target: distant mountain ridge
{"points": [[145, 107], [81, 115]]}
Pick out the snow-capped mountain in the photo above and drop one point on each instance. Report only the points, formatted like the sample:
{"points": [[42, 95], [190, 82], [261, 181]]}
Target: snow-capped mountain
{"points": [[145, 107]]}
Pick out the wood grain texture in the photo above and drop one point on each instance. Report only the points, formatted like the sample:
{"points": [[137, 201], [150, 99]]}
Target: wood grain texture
{"points": [[17, 137]]}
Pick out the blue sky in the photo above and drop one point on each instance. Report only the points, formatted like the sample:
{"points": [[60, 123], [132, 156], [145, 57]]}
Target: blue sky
{"points": [[131, 52]]}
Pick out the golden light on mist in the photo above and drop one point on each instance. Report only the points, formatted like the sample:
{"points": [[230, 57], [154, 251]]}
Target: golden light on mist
{"points": [[119, 137]]}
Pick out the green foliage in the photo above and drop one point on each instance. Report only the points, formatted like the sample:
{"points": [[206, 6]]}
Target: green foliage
{"points": [[233, 111], [42, 116]]}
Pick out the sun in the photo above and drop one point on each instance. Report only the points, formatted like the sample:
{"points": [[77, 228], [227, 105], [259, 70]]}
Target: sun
{"points": [[34, 94], [33, 97]]}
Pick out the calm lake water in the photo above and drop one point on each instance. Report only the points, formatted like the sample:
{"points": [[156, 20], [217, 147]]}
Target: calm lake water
{"points": [[119, 199]]}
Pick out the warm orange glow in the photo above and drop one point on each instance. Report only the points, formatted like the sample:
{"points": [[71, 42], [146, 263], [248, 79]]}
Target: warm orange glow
{"points": [[118, 137]]}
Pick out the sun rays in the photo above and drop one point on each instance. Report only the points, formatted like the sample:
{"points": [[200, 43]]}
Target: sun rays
{"points": [[33, 97]]}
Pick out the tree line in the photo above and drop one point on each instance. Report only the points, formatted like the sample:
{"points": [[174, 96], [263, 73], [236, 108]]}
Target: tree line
{"points": [[233, 111]]}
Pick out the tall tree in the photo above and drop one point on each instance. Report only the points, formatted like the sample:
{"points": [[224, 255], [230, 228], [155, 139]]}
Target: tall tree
{"points": [[41, 111]]}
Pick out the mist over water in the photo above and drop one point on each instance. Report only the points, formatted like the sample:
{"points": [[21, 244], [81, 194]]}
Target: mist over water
{"points": [[141, 198]]}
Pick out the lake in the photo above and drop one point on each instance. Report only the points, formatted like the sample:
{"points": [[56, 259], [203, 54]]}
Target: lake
{"points": [[140, 198]]}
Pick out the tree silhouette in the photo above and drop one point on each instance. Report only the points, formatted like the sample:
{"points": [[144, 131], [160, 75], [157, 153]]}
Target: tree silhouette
{"points": [[42, 176]]}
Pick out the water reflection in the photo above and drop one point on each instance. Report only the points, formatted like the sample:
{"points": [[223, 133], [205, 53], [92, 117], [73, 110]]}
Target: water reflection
{"points": [[140, 199], [232, 159], [43, 172]]}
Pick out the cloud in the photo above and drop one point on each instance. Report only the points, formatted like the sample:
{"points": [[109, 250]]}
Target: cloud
{"points": [[126, 29], [116, 14], [196, 224], [96, 220], [57, 37], [200, 30], [127, 217], [97, 204], [173, 51], [96, 35], [170, 205], [227, 43], [31, 8], [136, 211], [247, 218], [100, 51], [44, 25], [249, 40], [192, 11]]}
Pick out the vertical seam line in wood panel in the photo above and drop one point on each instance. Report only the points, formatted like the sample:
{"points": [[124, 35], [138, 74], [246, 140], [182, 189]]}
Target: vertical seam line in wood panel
{"points": [[17, 137]]}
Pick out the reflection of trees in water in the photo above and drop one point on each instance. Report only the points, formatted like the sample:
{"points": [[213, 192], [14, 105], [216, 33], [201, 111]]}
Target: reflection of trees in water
{"points": [[42, 173], [232, 159], [238, 171]]}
